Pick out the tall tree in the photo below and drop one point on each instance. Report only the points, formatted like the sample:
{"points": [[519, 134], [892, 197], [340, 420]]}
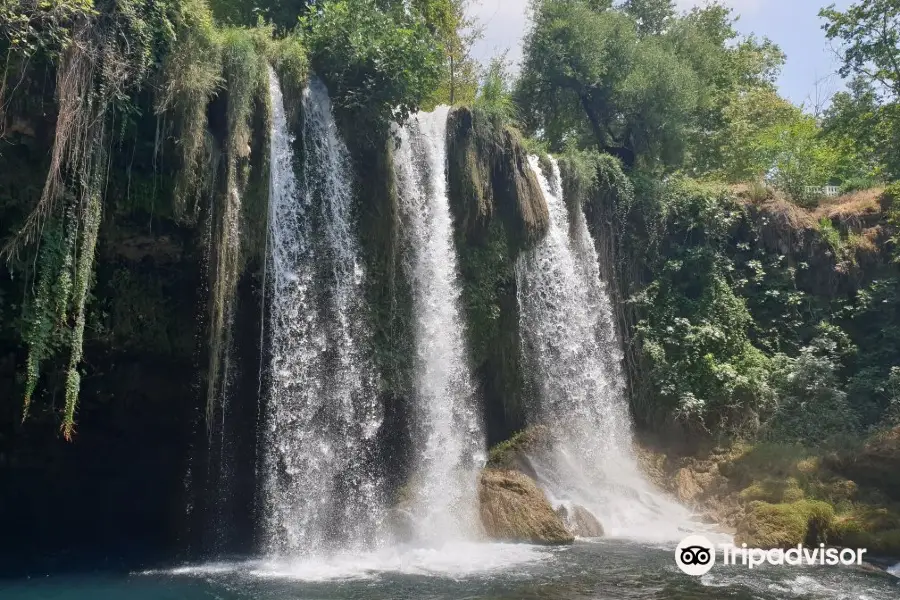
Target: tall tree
{"points": [[870, 34], [868, 115], [645, 85]]}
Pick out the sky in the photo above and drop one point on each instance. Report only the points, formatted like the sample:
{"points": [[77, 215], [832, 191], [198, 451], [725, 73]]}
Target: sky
{"points": [[792, 24]]}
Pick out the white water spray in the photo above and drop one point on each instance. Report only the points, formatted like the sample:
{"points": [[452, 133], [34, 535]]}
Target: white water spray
{"points": [[569, 335], [449, 440], [321, 488]]}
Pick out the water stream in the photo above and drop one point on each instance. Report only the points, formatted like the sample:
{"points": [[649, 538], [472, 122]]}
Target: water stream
{"points": [[447, 438], [321, 489], [570, 340]]}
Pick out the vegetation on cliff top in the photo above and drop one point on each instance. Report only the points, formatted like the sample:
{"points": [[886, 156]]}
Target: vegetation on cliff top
{"points": [[184, 63]]}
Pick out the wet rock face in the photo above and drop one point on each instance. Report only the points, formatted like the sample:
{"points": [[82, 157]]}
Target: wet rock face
{"points": [[514, 509], [580, 521]]}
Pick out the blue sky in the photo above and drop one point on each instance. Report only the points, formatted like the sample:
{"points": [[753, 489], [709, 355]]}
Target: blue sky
{"points": [[792, 24]]}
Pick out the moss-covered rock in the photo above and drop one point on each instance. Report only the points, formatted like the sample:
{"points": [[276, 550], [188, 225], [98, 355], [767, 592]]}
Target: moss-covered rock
{"points": [[514, 454], [875, 530], [785, 525], [876, 464], [773, 490], [489, 176], [514, 509], [498, 210]]}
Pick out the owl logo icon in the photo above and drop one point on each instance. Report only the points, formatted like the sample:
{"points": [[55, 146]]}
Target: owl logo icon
{"points": [[695, 555]]}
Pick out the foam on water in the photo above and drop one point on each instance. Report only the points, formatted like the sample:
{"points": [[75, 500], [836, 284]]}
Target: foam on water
{"points": [[454, 560]]}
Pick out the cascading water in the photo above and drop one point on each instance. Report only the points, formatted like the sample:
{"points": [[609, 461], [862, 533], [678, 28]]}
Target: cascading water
{"points": [[569, 336], [447, 437], [321, 487]]}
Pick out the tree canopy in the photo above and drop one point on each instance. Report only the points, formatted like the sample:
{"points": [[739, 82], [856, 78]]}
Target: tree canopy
{"points": [[639, 81]]}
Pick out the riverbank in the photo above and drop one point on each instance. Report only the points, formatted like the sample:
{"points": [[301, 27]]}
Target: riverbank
{"points": [[777, 495]]}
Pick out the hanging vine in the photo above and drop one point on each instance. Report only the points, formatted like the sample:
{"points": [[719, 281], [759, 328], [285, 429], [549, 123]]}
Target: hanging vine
{"points": [[108, 51]]}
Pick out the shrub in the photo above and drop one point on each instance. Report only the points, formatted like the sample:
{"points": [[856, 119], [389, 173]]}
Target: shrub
{"points": [[378, 66], [785, 525], [855, 184]]}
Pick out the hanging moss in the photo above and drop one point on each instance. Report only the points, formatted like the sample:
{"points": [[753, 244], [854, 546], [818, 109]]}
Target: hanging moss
{"points": [[90, 222], [244, 70], [43, 316]]}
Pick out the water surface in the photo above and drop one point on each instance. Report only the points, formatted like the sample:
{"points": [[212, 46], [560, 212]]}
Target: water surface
{"points": [[609, 569]]}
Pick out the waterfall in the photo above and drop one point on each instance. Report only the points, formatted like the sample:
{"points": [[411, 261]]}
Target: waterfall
{"points": [[321, 488], [447, 435], [569, 338]]}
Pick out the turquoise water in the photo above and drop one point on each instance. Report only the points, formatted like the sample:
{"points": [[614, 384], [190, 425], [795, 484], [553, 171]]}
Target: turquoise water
{"points": [[610, 569]]}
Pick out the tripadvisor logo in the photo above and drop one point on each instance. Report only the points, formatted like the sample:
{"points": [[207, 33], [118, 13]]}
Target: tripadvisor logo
{"points": [[696, 555]]}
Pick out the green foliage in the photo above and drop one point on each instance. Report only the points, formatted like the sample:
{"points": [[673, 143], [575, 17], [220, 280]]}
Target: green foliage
{"points": [[456, 34], [795, 156], [495, 95], [694, 329], [90, 226], [786, 525], [812, 406], [47, 308], [637, 81], [379, 65], [191, 75], [651, 16], [870, 33], [831, 235], [866, 118], [31, 26]]}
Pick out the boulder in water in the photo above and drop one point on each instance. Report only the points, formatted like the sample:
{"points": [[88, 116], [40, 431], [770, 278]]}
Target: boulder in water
{"points": [[580, 521], [514, 453], [514, 509]]}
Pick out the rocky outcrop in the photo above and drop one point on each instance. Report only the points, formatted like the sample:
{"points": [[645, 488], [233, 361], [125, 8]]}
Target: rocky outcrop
{"points": [[514, 509], [498, 210], [489, 176], [580, 521], [515, 453]]}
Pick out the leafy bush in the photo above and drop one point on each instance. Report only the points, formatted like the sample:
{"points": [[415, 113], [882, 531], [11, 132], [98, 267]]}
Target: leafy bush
{"points": [[694, 332], [378, 65], [495, 95], [813, 407], [856, 184], [831, 235]]}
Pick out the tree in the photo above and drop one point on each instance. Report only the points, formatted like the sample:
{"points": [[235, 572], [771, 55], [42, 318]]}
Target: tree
{"points": [[866, 118], [856, 123], [651, 16], [457, 33], [870, 33], [641, 83], [587, 70], [379, 64], [742, 153]]}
